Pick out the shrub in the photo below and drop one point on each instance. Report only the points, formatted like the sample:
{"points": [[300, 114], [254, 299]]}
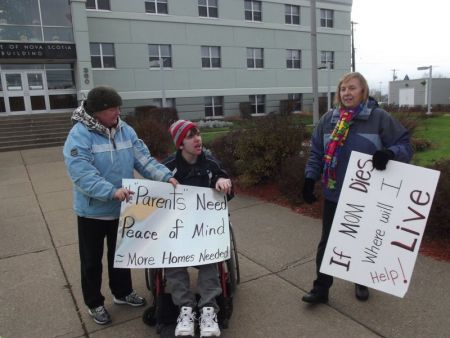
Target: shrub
{"points": [[151, 125], [409, 120], [245, 109], [291, 177], [224, 149], [438, 226], [261, 150], [213, 124], [420, 144]]}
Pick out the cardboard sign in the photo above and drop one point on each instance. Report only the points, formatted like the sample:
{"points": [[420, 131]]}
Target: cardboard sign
{"points": [[166, 227], [379, 224]]}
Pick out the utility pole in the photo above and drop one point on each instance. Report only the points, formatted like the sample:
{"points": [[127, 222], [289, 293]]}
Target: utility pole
{"points": [[353, 46], [315, 85], [394, 76]]}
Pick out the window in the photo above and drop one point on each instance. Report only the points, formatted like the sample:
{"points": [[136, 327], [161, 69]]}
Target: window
{"points": [[296, 100], [326, 18], [253, 10], [156, 6], [60, 76], [213, 106], [292, 14], [210, 57], [208, 8], [157, 52], [293, 58], [327, 57], [257, 103], [255, 58], [102, 55], [98, 4]]}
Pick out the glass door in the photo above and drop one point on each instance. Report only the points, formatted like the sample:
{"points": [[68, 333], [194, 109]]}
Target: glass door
{"points": [[14, 92], [37, 92], [25, 91]]}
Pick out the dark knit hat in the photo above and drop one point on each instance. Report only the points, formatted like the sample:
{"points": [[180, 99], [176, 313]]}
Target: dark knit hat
{"points": [[101, 98], [179, 129]]}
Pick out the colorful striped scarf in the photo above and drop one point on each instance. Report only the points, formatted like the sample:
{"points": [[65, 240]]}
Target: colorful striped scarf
{"points": [[335, 143]]}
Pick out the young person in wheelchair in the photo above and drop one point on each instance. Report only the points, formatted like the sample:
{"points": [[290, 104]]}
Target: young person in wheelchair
{"points": [[191, 165]]}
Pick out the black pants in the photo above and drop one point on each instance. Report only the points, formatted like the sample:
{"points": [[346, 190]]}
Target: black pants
{"points": [[91, 237], [323, 282]]}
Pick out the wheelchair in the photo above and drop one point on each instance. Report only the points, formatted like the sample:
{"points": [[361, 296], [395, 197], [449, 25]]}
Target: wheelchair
{"points": [[162, 313]]}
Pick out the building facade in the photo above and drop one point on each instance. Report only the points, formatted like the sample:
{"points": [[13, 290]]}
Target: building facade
{"points": [[414, 92], [206, 57]]}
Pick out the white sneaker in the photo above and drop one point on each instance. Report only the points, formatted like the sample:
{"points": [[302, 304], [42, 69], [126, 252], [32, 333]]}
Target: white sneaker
{"points": [[185, 326], [208, 323]]}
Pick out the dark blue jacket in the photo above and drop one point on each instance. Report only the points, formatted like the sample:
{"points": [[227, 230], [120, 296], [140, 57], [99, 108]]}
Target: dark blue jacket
{"points": [[372, 129]]}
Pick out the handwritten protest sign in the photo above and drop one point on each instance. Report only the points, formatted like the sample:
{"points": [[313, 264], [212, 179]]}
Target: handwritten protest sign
{"points": [[166, 227], [379, 224]]}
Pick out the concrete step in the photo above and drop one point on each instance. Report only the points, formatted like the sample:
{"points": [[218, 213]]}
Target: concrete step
{"points": [[33, 130]]}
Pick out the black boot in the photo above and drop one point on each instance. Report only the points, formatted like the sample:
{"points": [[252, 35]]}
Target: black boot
{"points": [[361, 292], [316, 297]]}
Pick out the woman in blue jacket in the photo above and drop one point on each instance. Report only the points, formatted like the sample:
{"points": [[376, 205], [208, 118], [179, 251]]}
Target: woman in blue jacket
{"points": [[99, 152], [356, 124]]}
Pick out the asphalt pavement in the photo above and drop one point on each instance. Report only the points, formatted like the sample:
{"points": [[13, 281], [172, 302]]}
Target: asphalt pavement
{"points": [[40, 292]]}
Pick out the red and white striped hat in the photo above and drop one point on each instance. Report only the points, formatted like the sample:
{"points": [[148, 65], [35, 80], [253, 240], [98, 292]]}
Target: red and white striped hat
{"points": [[179, 129]]}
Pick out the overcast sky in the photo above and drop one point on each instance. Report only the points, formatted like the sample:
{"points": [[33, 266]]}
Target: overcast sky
{"points": [[401, 35]]}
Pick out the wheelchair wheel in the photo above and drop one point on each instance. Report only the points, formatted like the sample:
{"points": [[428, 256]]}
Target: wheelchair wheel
{"points": [[153, 280], [234, 255]]}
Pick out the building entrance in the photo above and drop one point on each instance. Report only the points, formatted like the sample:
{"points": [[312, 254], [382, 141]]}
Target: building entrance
{"points": [[24, 91]]}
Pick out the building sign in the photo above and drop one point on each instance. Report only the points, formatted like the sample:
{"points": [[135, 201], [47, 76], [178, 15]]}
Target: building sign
{"points": [[379, 223], [33, 50]]}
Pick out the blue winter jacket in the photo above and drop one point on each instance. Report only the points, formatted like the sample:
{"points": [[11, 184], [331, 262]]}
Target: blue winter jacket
{"points": [[97, 163], [372, 129]]}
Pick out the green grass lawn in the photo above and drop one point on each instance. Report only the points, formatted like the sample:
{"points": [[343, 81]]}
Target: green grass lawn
{"points": [[437, 130]]}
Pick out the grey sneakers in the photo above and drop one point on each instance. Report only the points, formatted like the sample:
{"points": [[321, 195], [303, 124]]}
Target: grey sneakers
{"points": [[100, 315], [133, 299]]}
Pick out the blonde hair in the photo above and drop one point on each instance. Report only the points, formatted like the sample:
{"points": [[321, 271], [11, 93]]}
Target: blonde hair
{"points": [[348, 77]]}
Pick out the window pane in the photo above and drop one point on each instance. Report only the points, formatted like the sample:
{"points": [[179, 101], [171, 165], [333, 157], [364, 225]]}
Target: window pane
{"points": [[218, 111], [287, 19], [150, 7], [202, 3], [250, 63], [103, 4], [248, 15], [216, 63], [213, 12], [215, 52], [296, 20], [167, 62], [2, 105], [20, 33], [108, 49], [96, 62], [58, 34], [95, 48], [258, 53], [297, 63], [153, 50], [248, 5], [205, 62], [24, 12], [38, 102], [208, 100], [202, 11], [205, 52], [35, 81], [109, 62], [63, 101], [90, 4], [257, 16], [17, 103], [60, 79], [208, 111], [162, 8], [13, 82], [55, 13], [165, 50]]}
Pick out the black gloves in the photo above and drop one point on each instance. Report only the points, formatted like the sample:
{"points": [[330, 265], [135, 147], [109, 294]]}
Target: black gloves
{"points": [[308, 191], [381, 157]]}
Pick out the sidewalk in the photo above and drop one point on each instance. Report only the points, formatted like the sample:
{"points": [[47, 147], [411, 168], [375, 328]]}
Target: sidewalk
{"points": [[40, 293]]}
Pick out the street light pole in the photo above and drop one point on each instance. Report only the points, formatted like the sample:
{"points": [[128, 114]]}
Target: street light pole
{"points": [[163, 89], [430, 68], [314, 81]]}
